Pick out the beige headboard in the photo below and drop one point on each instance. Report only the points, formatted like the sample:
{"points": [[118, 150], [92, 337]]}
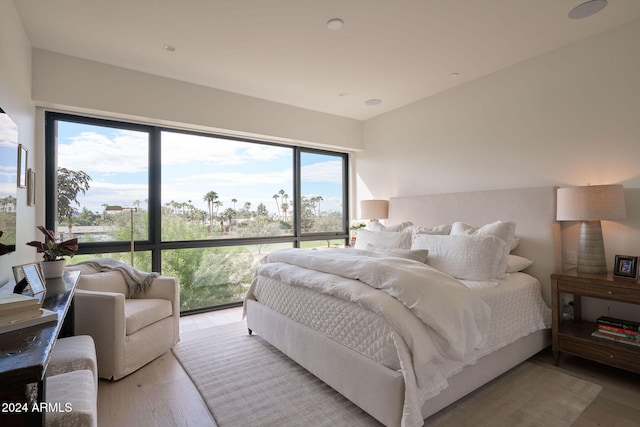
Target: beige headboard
{"points": [[532, 209]]}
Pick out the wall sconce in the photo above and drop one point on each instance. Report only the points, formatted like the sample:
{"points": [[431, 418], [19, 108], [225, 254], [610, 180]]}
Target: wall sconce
{"points": [[589, 205], [118, 208]]}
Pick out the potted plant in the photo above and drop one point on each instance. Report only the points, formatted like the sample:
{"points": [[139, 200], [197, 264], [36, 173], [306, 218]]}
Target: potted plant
{"points": [[354, 230], [54, 253]]}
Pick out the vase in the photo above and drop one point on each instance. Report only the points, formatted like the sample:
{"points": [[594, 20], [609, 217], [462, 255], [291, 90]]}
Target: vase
{"points": [[52, 269]]}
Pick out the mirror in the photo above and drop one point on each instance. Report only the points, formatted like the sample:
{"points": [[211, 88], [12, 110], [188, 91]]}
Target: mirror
{"points": [[8, 180]]}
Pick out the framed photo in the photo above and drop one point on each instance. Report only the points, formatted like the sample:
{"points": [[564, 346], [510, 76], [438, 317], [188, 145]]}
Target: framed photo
{"points": [[33, 275], [626, 266], [31, 187], [22, 166]]}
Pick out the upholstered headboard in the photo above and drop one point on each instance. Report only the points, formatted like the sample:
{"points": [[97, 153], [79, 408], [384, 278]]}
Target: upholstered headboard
{"points": [[532, 209]]}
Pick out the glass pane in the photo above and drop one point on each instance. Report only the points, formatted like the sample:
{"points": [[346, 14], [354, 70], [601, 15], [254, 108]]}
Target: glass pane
{"points": [[214, 276], [215, 188], [323, 244], [100, 166], [8, 177], [322, 186], [141, 260]]}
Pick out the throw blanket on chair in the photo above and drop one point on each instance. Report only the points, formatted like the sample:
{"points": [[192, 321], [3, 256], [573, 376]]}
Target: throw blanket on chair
{"points": [[138, 281]]}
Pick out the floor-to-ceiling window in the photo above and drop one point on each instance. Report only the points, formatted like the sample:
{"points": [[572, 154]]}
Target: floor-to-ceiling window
{"points": [[204, 208]]}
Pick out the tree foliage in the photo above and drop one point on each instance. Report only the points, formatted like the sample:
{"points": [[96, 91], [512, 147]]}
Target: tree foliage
{"points": [[70, 184]]}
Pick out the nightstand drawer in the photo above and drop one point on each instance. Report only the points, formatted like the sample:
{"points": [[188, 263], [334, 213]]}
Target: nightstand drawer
{"points": [[602, 351], [629, 293]]}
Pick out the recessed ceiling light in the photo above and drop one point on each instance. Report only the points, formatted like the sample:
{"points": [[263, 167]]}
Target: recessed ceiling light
{"points": [[586, 9], [335, 24], [373, 101], [343, 94], [453, 75], [169, 48]]}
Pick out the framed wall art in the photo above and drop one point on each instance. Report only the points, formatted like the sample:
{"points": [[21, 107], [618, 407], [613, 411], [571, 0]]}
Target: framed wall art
{"points": [[22, 166], [31, 187]]}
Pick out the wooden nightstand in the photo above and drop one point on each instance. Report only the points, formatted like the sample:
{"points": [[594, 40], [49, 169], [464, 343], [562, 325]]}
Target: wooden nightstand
{"points": [[574, 336]]}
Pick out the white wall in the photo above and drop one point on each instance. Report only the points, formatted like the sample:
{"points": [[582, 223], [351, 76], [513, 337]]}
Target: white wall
{"points": [[74, 84], [569, 117], [15, 100]]}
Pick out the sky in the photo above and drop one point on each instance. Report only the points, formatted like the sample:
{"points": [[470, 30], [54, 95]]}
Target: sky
{"points": [[192, 165], [8, 156]]}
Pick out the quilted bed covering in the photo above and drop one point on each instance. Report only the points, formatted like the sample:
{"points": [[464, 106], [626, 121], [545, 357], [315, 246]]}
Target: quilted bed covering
{"points": [[418, 319]]}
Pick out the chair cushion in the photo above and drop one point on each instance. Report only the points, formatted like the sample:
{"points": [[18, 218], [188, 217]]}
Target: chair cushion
{"points": [[107, 281], [141, 312]]}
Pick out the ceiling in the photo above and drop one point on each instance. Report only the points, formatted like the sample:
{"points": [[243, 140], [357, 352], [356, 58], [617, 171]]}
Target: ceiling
{"points": [[398, 51]]}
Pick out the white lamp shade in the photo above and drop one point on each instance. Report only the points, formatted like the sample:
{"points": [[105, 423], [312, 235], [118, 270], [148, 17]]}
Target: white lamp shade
{"points": [[374, 209], [591, 203]]}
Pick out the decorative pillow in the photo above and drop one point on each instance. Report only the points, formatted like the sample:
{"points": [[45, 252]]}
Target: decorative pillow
{"points": [[514, 243], [500, 229], [419, 255], [476, 257], [397, 240], [376, 226], [517, 263], [442, 229]]}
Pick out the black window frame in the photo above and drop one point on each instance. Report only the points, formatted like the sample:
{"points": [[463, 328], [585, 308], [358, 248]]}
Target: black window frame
{"points": [[154, 242]]}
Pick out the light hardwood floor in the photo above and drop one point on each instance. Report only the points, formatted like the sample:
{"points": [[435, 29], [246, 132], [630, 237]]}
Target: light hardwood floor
{"points": [[161, 393]]}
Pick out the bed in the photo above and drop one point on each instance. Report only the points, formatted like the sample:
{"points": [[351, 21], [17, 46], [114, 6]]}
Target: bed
{"points": [[350, 335]]}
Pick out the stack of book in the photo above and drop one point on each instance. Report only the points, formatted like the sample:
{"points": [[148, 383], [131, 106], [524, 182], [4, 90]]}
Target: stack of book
{"points": [[19, 311], [619, 330]]}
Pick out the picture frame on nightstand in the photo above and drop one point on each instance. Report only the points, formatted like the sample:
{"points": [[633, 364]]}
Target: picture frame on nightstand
{"points": [[626, 266]]}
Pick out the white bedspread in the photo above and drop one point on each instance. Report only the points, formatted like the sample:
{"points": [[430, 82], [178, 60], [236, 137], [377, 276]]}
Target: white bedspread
{"points": [[413, 295]]}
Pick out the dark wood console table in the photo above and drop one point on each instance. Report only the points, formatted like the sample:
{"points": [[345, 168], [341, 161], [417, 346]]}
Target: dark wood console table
{"points": [[25, 353]]}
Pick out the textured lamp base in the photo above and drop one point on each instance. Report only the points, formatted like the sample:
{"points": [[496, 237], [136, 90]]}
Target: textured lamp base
{"points": [[591, 258]]}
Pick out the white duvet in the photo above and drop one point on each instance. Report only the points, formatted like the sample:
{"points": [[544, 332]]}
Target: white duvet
{"points": [[413, 295]]}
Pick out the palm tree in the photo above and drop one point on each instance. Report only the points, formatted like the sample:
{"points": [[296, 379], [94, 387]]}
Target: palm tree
{"points": [[217, 203], [246, 209], [284, 205], [210, 197], [276, 197]]}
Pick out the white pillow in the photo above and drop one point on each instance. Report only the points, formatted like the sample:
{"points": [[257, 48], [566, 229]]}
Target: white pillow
{"points": [[439, 229], [419, 255], [476, 257], [517, 263], [501, 229], [514, 243], [398, 240], [376, 226]]}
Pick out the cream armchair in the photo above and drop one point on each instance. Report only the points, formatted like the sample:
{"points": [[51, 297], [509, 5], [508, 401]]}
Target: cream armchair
{"points": [[128, 332]]}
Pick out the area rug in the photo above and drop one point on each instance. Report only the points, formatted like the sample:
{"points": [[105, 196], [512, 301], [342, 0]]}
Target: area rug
{"points": [[247, 382]]}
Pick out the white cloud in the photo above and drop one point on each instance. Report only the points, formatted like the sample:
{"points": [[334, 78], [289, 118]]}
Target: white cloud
{"points": [[330, 171], [126, 152], [178, 148], [237, 179], [8, 131]]}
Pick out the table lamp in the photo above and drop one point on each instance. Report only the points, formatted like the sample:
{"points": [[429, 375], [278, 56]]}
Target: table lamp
{"points": [[589, 205], [374, 209]]}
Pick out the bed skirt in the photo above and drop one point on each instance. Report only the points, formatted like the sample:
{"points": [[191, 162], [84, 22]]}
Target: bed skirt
{"points": [[376, 389]]}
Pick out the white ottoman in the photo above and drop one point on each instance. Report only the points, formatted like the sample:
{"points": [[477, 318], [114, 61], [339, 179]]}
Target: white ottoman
{"points": [[73, 354], [72, 400]]}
